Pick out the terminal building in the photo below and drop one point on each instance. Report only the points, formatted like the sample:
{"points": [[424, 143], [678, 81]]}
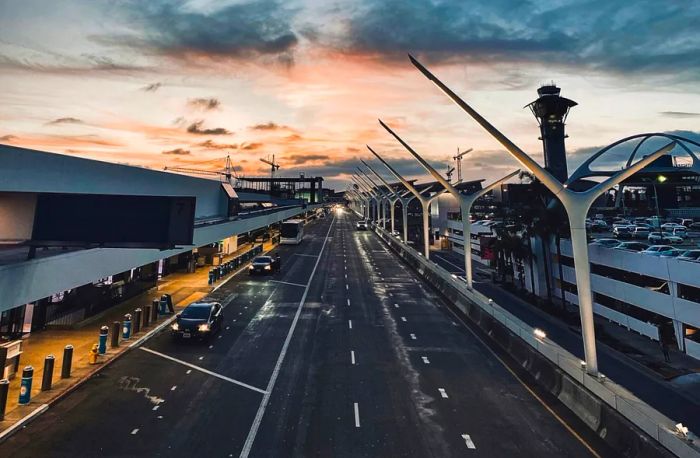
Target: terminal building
{"points": [[48, 277]]}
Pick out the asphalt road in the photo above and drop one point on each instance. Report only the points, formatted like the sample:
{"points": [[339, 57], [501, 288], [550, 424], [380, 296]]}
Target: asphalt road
{"points": [[343, 353]]}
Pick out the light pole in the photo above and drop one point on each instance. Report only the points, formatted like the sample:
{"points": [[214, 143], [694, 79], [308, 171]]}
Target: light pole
{"points": [[424, 202], [576, 204], [465, 201], [397, 197]]}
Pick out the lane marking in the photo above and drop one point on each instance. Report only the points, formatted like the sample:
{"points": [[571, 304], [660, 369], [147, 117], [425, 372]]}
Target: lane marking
{"points": [[413, 336], [356, 408], [352, 357], [403, 318], [287, 283], [443, 393], [425, 359], [350, 324], [134, 431], [280, 359], [206, 371], [468, 441]]}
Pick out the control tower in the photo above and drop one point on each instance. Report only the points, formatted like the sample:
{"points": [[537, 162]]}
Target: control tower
{"points": [[551, 110]]}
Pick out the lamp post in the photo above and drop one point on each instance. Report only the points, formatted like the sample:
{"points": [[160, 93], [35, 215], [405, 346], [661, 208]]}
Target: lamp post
{"points": [[424, 202], [465, 201], [576, 204], [393, 201]]}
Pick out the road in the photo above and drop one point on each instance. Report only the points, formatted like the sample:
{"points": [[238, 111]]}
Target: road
{"points": [[343, 353]]}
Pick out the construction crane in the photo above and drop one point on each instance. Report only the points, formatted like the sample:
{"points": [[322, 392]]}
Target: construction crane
{"points": [[273, 166], [458, 158], [449, 173], [227, 173]]}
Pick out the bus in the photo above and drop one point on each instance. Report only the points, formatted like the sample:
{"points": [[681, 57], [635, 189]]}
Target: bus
{"points": [[292, 232]]}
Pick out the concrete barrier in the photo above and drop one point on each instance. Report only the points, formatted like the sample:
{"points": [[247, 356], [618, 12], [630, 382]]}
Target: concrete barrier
{"points": [[628, 425]]}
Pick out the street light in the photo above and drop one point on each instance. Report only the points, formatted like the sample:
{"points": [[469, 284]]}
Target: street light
{"points": [[465, 201], [576, 204], [424, 202]]}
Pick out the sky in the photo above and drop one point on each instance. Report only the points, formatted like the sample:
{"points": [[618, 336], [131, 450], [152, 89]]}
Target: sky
{"points": [[167, 82]]}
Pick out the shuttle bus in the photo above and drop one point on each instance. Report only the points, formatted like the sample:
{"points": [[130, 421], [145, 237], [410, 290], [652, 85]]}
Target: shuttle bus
{"points": [[292, 232]]}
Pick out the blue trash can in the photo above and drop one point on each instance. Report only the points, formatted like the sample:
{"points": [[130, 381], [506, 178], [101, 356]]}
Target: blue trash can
{"points": [[25, 388], [126, 327]]}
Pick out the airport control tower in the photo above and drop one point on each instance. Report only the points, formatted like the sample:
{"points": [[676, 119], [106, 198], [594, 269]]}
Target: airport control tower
{"points": [[551, 110]]}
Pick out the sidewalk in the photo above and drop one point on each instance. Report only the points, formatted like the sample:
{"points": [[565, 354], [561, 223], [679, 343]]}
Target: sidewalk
{"points": [[680, 402], [184, 288]]}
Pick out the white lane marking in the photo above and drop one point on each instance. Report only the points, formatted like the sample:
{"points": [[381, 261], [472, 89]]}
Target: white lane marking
{"points": [[443, 393], [413, 336], [348, 301], [468, 441], [280, 359], [189, 371], [350, 324], [287, 283], [403, 318], [396, 305], [134, 431], [174, 387], [356, 408], [201, 369], [425, 359], [352, 357], [156, 407]]}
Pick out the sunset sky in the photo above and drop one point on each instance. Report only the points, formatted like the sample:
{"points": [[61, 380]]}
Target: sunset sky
{"points": [[158, 83]]}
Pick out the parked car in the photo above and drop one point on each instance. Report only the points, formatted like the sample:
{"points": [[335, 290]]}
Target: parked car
{"points": [[607, 243], [658, 250], [632, 246], [690, 255], [639, 232], [198, 320], [263, 265], [622, 232]]}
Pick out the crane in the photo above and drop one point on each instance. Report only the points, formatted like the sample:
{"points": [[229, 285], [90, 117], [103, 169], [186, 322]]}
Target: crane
{"points": [[227, 173], [458, 158]]}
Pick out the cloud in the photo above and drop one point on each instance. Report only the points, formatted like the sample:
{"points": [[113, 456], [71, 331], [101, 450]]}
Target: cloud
{"points": [[153, 87], [8, 138], [679, 114], [299, 159], [177, 29], [65, 121], [210, 144], [196, 128], [178, 152], [251, 146], [268, 126], [204, 104], [597, 34]]}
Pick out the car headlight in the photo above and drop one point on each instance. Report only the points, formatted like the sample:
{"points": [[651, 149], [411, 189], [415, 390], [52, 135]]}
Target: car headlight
{"points": [[203, 327], [175, 326], [268, 267]]}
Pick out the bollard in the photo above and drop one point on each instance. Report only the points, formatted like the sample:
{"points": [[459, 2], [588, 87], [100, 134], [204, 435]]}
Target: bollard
{"points": [[154, 310], [116, 326], [102, 347], [25, 389], [47, 376], [126, 327], [146, 316], [4, 390], [136, 323], [67, 361]]}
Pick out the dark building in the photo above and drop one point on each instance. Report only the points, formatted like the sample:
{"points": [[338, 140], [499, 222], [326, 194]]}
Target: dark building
{"points": [[551, 110]]}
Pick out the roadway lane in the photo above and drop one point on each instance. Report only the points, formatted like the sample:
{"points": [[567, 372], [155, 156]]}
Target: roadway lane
{"points": [[343, 354]]}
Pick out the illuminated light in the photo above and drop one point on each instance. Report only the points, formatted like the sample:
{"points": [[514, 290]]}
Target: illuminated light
{"points": [[175, 326], [540, 334], [661, 178], [203, 327]]}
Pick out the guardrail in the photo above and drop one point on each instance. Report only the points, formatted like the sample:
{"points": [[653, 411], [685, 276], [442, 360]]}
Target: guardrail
{"points": [[659, 427]]}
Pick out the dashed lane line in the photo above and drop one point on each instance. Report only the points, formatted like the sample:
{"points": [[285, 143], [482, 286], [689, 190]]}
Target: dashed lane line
{"points": [[201, 369]]}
